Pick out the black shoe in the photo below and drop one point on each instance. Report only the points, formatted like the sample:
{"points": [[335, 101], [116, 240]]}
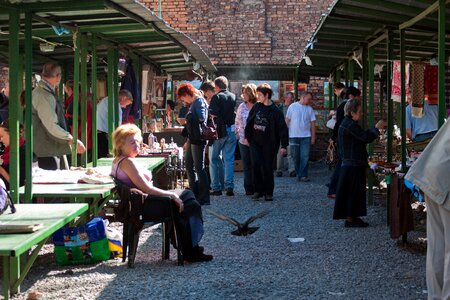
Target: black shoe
{"points": [[268, 198], [256, 196], [229, 192], [279, 174], [248, 193], [216, 193], [198, 255], [357, 222], [292, 174]]}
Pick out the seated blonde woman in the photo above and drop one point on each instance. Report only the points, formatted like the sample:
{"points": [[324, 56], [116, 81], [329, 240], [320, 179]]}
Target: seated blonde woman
{"points": [[126, 144]]}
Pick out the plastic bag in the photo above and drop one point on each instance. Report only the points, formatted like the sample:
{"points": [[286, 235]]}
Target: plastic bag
{"points": [[114, 242], [83, 244], [331, 122]]}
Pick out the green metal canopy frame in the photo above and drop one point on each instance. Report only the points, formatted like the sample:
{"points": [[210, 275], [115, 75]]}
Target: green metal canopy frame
{"points": [[382, 31], [94, 31]]}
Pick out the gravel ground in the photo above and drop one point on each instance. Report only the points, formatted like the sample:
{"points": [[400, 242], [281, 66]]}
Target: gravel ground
{"points": [[333, 262]]}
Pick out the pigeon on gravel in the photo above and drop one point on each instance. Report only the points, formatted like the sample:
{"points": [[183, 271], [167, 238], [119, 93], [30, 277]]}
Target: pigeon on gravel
{"points": [[242, 229]]}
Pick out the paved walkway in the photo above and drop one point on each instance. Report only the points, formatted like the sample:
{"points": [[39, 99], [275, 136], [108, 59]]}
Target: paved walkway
{"points": [[333, 262]]}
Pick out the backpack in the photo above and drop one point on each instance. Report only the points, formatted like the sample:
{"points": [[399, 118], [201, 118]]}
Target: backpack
{"points": [[5, 199]]}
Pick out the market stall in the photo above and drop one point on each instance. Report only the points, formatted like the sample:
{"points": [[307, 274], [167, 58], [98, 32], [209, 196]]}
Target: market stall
{"points": [[91, 40], [390, 45]]}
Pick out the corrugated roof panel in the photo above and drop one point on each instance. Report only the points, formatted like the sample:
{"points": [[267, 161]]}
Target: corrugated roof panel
{"points": [[142, 29], [350, 24]]}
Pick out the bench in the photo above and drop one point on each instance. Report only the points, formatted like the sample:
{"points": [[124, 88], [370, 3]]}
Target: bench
{"points": [[51, 216]]}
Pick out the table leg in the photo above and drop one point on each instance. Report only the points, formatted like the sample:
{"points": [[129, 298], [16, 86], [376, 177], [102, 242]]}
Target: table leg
{"points": [[27, 265], [6, 284], [14, 274]]}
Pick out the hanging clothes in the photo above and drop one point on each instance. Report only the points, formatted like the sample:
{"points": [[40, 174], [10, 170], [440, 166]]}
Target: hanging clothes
{"points": [[130, 83], [401, 219], [431, 84], [417, 92], [396, 81]]}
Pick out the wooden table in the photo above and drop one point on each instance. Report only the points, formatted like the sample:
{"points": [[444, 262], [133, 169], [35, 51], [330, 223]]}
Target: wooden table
{"points": [[52, 216], [96, 195], [150, 163]]}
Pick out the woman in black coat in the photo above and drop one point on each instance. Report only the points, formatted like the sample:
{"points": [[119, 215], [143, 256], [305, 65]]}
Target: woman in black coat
{"points": [[265, 130], [351, 191]]}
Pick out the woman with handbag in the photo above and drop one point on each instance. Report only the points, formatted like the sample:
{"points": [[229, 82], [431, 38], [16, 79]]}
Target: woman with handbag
{"points": [[127, 139], [194, 155]]}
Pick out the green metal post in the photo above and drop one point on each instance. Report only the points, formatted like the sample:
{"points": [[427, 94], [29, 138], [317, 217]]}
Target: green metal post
{"points": [[173, 99], [28, 103], [94, 100], [370, 106], [346, 73], [137, 67], [111, 94], [61, 85], [296, 83], [390, 104], [364, 87], [351, 72], [442, 114], [403, 97], [14, 62], [164, 112], [330, 95], [371, 68], [338, 79], [117, 122], [381, 102], [76, 97], [84, 92]]}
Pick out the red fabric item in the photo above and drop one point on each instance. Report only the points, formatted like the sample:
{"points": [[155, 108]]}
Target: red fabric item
{"points": [[88, 119], [396, 81], [5, 155], [431, 84]]}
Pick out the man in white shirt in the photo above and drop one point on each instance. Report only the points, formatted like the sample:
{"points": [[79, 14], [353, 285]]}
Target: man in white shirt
{"points": [[300, 119], [280, 158], [125, 99]]}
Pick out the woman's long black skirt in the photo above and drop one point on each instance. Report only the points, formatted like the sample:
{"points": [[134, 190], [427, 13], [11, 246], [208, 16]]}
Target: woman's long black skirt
{"points": [[351, 193]]}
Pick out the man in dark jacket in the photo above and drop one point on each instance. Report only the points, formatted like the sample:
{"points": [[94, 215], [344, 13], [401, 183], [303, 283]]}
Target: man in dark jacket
{"points": [[222, 108]]}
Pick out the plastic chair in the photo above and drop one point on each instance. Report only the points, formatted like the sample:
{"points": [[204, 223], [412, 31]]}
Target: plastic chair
{"points": [[140, 213]]}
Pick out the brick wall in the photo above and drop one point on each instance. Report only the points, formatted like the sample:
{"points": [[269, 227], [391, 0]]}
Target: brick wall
{"points": [[245, 31]]}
